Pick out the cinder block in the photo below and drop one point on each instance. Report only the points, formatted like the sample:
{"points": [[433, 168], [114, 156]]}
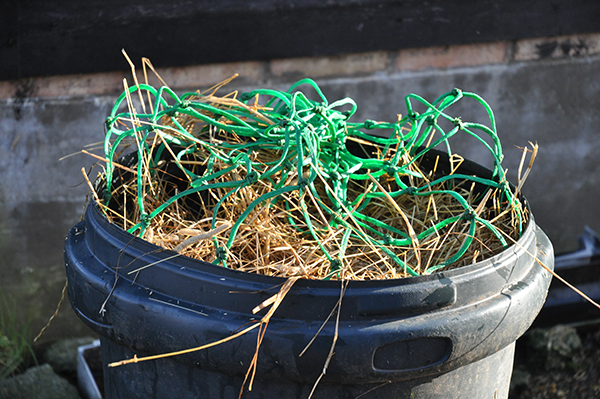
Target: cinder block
{"points": [[63, 86], [204, 76], [452, 56], [194, 77], [342, 65], [557, 47]]}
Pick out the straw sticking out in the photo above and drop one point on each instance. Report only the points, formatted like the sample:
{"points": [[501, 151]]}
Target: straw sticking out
{"points": [[277, 184]]}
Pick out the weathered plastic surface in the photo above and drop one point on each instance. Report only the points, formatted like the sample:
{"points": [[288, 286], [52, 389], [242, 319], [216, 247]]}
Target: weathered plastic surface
{"points": [[450, 334], [85, 379]]}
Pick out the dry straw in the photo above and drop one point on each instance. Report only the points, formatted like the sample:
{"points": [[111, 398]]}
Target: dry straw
{"points": [[288, 187]]}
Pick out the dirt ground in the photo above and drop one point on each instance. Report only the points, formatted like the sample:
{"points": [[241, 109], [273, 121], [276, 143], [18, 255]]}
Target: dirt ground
{"points": [[559, 362]]}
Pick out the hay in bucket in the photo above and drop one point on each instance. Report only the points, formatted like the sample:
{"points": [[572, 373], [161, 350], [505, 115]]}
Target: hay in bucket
{"points": [[279, 184]]}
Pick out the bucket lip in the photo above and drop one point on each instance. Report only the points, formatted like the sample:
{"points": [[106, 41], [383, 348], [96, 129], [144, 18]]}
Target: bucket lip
{"points": [[202, 266], [467, 166]]}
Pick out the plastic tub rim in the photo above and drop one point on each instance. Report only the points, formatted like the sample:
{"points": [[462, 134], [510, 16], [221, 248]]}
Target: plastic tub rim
{"points": [[510, 251]]}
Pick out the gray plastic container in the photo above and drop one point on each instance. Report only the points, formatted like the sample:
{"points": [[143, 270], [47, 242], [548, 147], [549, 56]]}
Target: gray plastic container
{"points": [[446, 335], [85, 379]]}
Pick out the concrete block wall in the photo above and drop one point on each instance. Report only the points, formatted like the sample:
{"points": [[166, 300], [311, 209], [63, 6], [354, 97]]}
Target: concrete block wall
{"points": [[542, 90]]}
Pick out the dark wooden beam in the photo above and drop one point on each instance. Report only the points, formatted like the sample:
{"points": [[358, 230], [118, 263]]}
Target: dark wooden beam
{"points": [[42, 38]]}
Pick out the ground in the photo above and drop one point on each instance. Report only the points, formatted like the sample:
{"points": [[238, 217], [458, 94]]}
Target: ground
{"points": [[549, 366]]}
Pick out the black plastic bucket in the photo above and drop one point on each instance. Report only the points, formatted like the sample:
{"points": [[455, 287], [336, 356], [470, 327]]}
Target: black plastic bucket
{"points": [[446, 335]]}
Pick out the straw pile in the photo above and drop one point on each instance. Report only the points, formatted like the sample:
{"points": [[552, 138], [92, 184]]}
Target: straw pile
{"points": [[290, 188]]}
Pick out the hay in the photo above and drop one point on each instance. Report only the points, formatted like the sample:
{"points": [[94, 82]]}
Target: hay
{"points": [[278, 215]]}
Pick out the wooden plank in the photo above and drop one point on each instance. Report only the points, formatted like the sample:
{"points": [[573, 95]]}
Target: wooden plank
{"points": [[41, 38]]}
